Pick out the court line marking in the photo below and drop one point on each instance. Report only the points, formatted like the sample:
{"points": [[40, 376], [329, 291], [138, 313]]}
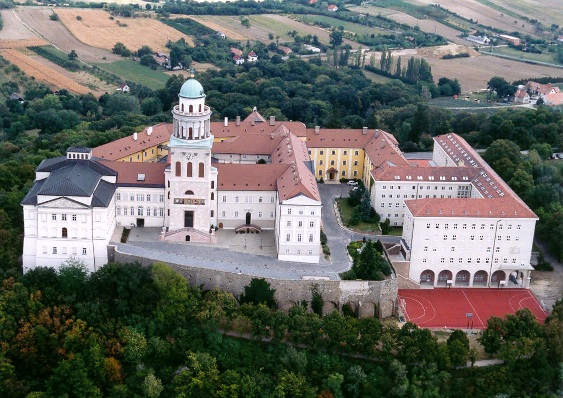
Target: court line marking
{"points": [[430, 305], [471, 305], [517, 296]]}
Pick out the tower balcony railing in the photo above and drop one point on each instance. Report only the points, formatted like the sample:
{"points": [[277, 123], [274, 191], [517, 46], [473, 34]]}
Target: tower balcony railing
{"points": [[206, 111]]}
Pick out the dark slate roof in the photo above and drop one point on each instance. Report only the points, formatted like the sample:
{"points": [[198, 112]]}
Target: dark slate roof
{"points": [[79, 149], [103, 194], [31, 197], [70, 177]]}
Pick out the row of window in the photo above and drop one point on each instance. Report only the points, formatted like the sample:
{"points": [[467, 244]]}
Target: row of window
{"points": [[300, 223], [342, 173], [298, 252], [64, 250], [139, 197], [473, 226], [189, 169], [469, 260], [141, 211], [249, 199], [299, 238], [472, 237], [236, 214], [333, 152], [299, 211], [462, 248], [332, 162], [64, 217]]}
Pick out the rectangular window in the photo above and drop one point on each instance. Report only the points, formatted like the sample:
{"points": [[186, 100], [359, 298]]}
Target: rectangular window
{"points": [[223, 214], [84, 251], [148, 197], [54, 217], [132, 197], [161, 198], [260, 199], [288, 211], [272, 199], [224, 198], [287, 237], [259, 214], [311, 224], [310, 237], [271, 214], [139, 211], [74, 217], [125, 210], [54, 250], [140, 197], [118, 196], [288, 224], [63, 217], [300, 223], [236, 213], [298, 237]]}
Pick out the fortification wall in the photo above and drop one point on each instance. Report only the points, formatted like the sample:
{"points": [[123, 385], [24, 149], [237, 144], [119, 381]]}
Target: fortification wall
{"points": [[369, 298]]}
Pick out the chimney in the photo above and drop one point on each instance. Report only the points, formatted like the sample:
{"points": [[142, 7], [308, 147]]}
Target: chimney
{"points": [[383, 143], [149, 131], [317, 130], [226, 123], [272, 120], [376, 133], [238, 120], [135, 136], [253, 120], [364, 130]]}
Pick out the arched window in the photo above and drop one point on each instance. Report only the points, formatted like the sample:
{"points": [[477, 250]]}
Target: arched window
{"points": [[190, 133], [139, 211], [188, 192], [189, 169], [200, 108], [212, 195], [65, 233], [168, 194], [201, 169], [182, 108], [212, 184], [191, 109], [178, 169]]}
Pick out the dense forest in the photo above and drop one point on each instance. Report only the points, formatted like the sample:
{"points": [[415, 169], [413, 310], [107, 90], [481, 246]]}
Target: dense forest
{"points": [[134, 331]]}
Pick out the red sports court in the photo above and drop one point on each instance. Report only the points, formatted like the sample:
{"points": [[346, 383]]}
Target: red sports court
{"points": [[464, 308]]}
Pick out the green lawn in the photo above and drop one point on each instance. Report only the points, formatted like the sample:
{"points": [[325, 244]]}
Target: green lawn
{"points": [[544, 57], [450, 102], [346, 214], [348, 26], [135, 72]]}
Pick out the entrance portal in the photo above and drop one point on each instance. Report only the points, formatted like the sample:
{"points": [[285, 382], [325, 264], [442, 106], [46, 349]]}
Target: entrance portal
{"points": [[248, 218], [140, 222], [188, 219]]}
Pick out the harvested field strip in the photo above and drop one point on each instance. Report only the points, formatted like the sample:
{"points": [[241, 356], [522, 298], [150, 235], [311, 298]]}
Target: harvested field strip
{"points": [[33, 68], [96, 29], [231, 28], [22, 43]]}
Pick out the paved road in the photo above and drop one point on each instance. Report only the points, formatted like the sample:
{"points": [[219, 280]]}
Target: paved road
{"points": [[145, 243]]}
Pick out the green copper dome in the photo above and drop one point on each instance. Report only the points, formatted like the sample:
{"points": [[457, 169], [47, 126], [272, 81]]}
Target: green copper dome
{"points": [[192, 89]]}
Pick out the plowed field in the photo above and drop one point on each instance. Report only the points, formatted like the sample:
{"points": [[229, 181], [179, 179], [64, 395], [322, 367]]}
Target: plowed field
{"points": [[33, 68]]}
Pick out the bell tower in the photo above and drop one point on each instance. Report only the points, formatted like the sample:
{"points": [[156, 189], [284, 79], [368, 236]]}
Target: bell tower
{"points": [[191, 180]]}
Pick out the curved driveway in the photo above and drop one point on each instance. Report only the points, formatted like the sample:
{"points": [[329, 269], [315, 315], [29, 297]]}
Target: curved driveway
{"points": [[210, 256]]}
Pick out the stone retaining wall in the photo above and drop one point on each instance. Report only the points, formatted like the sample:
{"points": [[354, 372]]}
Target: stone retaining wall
{"points": [[369, 298]]}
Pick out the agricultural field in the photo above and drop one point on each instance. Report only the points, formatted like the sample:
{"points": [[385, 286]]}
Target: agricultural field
{"points": [[348, 26], [483, 14], [545, 11], [135, 72], [98, 29], [425, 25], [261, 26], [33, 68], [56, 33]]}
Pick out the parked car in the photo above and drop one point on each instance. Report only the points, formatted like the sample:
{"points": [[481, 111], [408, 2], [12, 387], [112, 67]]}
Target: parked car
{"points": [[352, 183]]}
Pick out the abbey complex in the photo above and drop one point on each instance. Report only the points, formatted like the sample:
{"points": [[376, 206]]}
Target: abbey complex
{"points": [[462, 224]]}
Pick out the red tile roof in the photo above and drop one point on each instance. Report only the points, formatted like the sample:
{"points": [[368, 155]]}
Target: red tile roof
{"points": [[219, 130], [338, 138], [248, 177], [127, 146], [384, 149], [250, 144], [469, 207], [137, 174]]}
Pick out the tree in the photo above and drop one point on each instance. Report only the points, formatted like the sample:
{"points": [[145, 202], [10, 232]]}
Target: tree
{"points": [[500, 86], [144, 50], [336, 37], [492, 336], [120, 49], [258, 292], [458, 348], [504, 157], [72, 55]]}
